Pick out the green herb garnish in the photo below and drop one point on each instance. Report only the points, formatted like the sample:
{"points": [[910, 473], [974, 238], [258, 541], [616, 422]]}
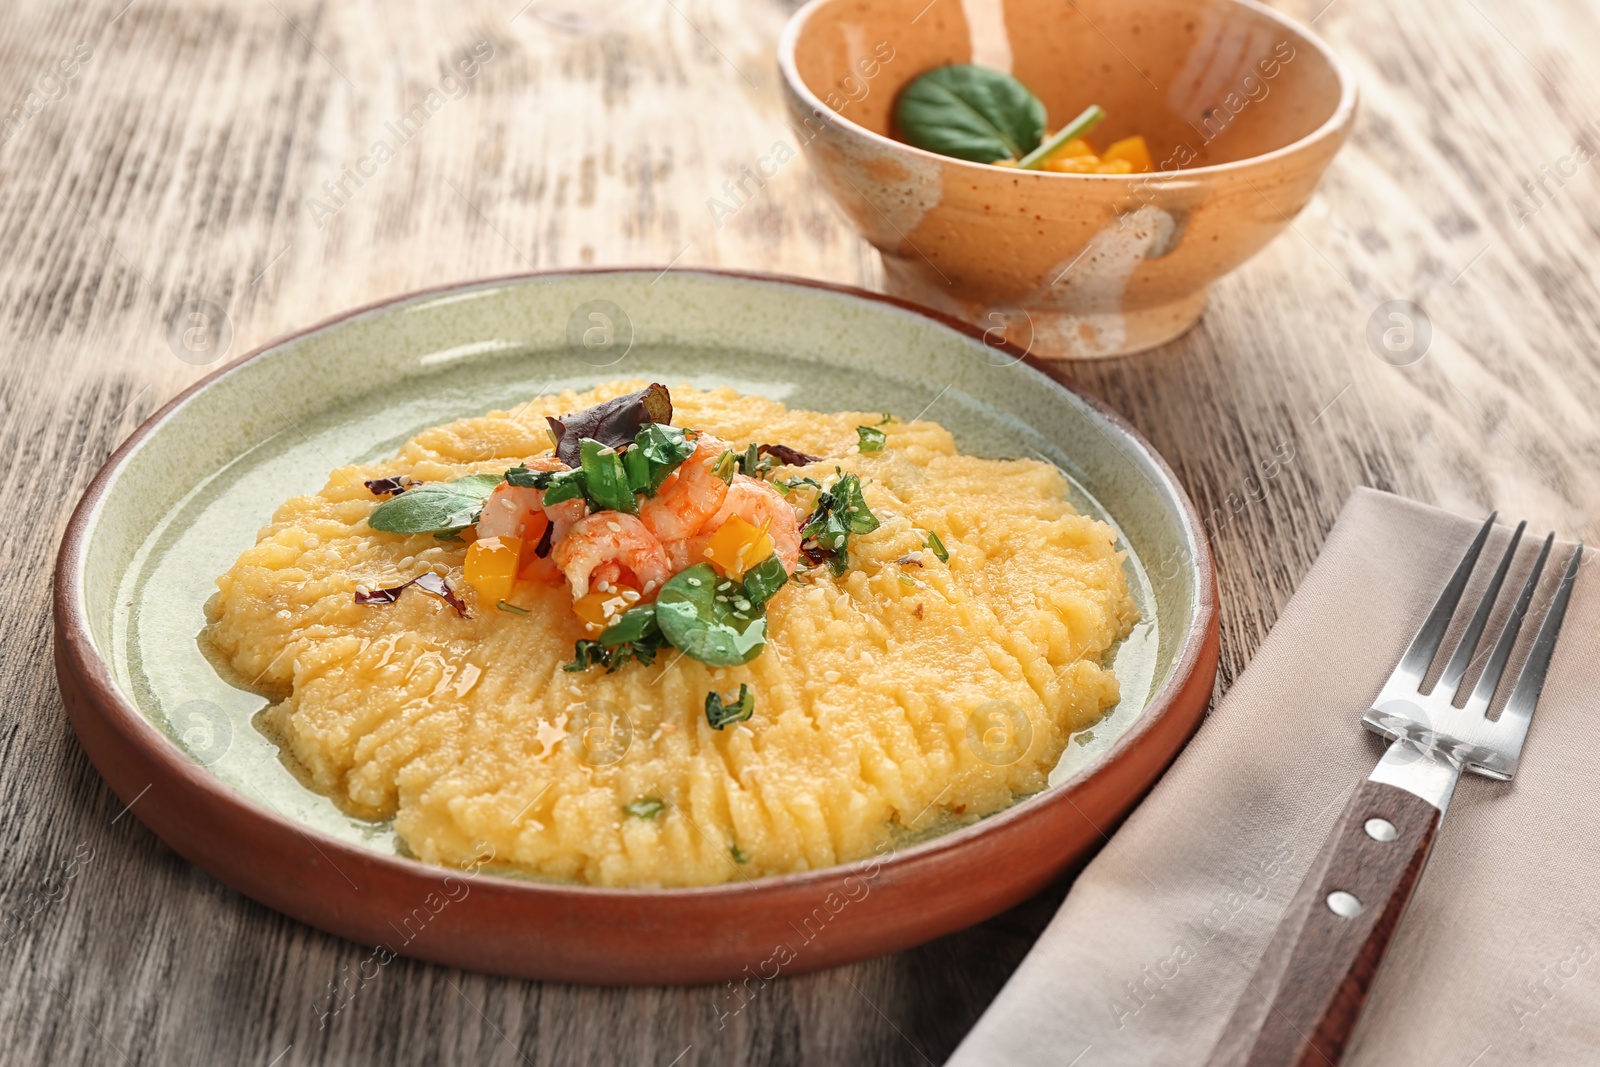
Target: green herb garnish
{"points": [[937, 547], [504, 605], [737, 853], [657, 451], [970, 112], [556, 485], [436, 506], [872, 439], [605, 481], [644, 807], [703, 620], [635, 635], [763, 580], [722, 712], [726, 466], [841, 511], [754, 463], [789, 485]]}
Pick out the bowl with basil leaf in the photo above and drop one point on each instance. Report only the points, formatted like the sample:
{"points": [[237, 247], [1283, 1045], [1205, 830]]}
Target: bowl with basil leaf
{"points": [[1072, 178]]}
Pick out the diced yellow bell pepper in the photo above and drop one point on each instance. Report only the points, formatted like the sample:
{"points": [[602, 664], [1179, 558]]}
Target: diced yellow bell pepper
{"points": [[599, 610], [1133, 150], [491, 567], [1114, 166], [737, 546]]}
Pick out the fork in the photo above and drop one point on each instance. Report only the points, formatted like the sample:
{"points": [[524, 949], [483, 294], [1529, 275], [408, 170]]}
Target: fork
{"points": [[1303, 1002]]}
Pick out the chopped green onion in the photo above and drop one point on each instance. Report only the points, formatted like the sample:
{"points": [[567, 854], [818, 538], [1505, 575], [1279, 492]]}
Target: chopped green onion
{"points": [[644, 807], [1086, 120]]}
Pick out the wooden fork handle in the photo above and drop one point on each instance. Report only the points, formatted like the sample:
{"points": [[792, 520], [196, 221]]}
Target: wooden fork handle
{"points": [[1304, 999]]}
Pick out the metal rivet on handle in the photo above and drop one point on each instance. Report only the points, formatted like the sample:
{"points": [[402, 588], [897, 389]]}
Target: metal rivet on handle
{"points": [[1344, 904], [1381, 830]]}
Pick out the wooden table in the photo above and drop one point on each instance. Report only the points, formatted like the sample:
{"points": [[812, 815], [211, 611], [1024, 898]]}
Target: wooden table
{"points": [[180, 159]]}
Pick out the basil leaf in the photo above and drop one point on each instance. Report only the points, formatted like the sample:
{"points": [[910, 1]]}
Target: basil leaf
{"points": [[564, 485], [635, 624], [656, 452], [633, 636], [644, 807], [703, 623], [523, 478], [970, 112], [721, 712], [872, 439], [937, 546], [841, 511], [605, 481], [435, 506], [613, 423], [763, 580], [852, 504]]}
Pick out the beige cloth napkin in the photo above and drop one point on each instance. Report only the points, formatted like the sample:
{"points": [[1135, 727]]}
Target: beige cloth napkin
{"points": [[1498, 959]]}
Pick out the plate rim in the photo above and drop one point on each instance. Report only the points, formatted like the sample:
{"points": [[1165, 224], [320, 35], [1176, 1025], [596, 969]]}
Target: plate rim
{"points": [[75, 642]]}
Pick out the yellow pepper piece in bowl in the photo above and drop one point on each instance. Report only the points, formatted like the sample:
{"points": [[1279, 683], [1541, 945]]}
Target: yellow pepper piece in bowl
{"points": [[491, 567], [1133, 150]]}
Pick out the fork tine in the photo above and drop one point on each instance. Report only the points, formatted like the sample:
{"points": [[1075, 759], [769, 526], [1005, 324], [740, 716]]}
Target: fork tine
{"points": [[1530, 682], [1425, 645], [1489, 680], [1450, 680]]}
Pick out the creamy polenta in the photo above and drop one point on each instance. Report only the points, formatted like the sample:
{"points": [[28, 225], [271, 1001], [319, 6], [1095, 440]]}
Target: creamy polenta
{"points": [[907, 692]]}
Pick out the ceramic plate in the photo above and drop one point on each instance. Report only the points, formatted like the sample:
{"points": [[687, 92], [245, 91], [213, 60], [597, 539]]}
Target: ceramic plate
{"points": [[185, 494]]}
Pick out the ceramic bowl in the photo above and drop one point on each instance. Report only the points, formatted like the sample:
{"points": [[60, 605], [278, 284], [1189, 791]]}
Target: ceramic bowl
{"points": [[1242, 110], [189, 489]]}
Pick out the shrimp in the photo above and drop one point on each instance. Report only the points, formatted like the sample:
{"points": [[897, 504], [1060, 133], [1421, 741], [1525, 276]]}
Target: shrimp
{"points": [[518, 511], [759, 504], [690, 495], [604, 543]]}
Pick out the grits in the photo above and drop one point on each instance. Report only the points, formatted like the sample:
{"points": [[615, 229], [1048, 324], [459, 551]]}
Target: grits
{"points": [[468, 732]]}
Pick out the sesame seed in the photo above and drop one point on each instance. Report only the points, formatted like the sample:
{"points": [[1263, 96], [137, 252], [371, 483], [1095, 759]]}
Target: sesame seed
{"points": [[629, 595], [614, 527]]}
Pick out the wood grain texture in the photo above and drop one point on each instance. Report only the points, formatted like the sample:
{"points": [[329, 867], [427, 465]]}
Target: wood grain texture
{"points": [[178, 160], [1302, 1003]]}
